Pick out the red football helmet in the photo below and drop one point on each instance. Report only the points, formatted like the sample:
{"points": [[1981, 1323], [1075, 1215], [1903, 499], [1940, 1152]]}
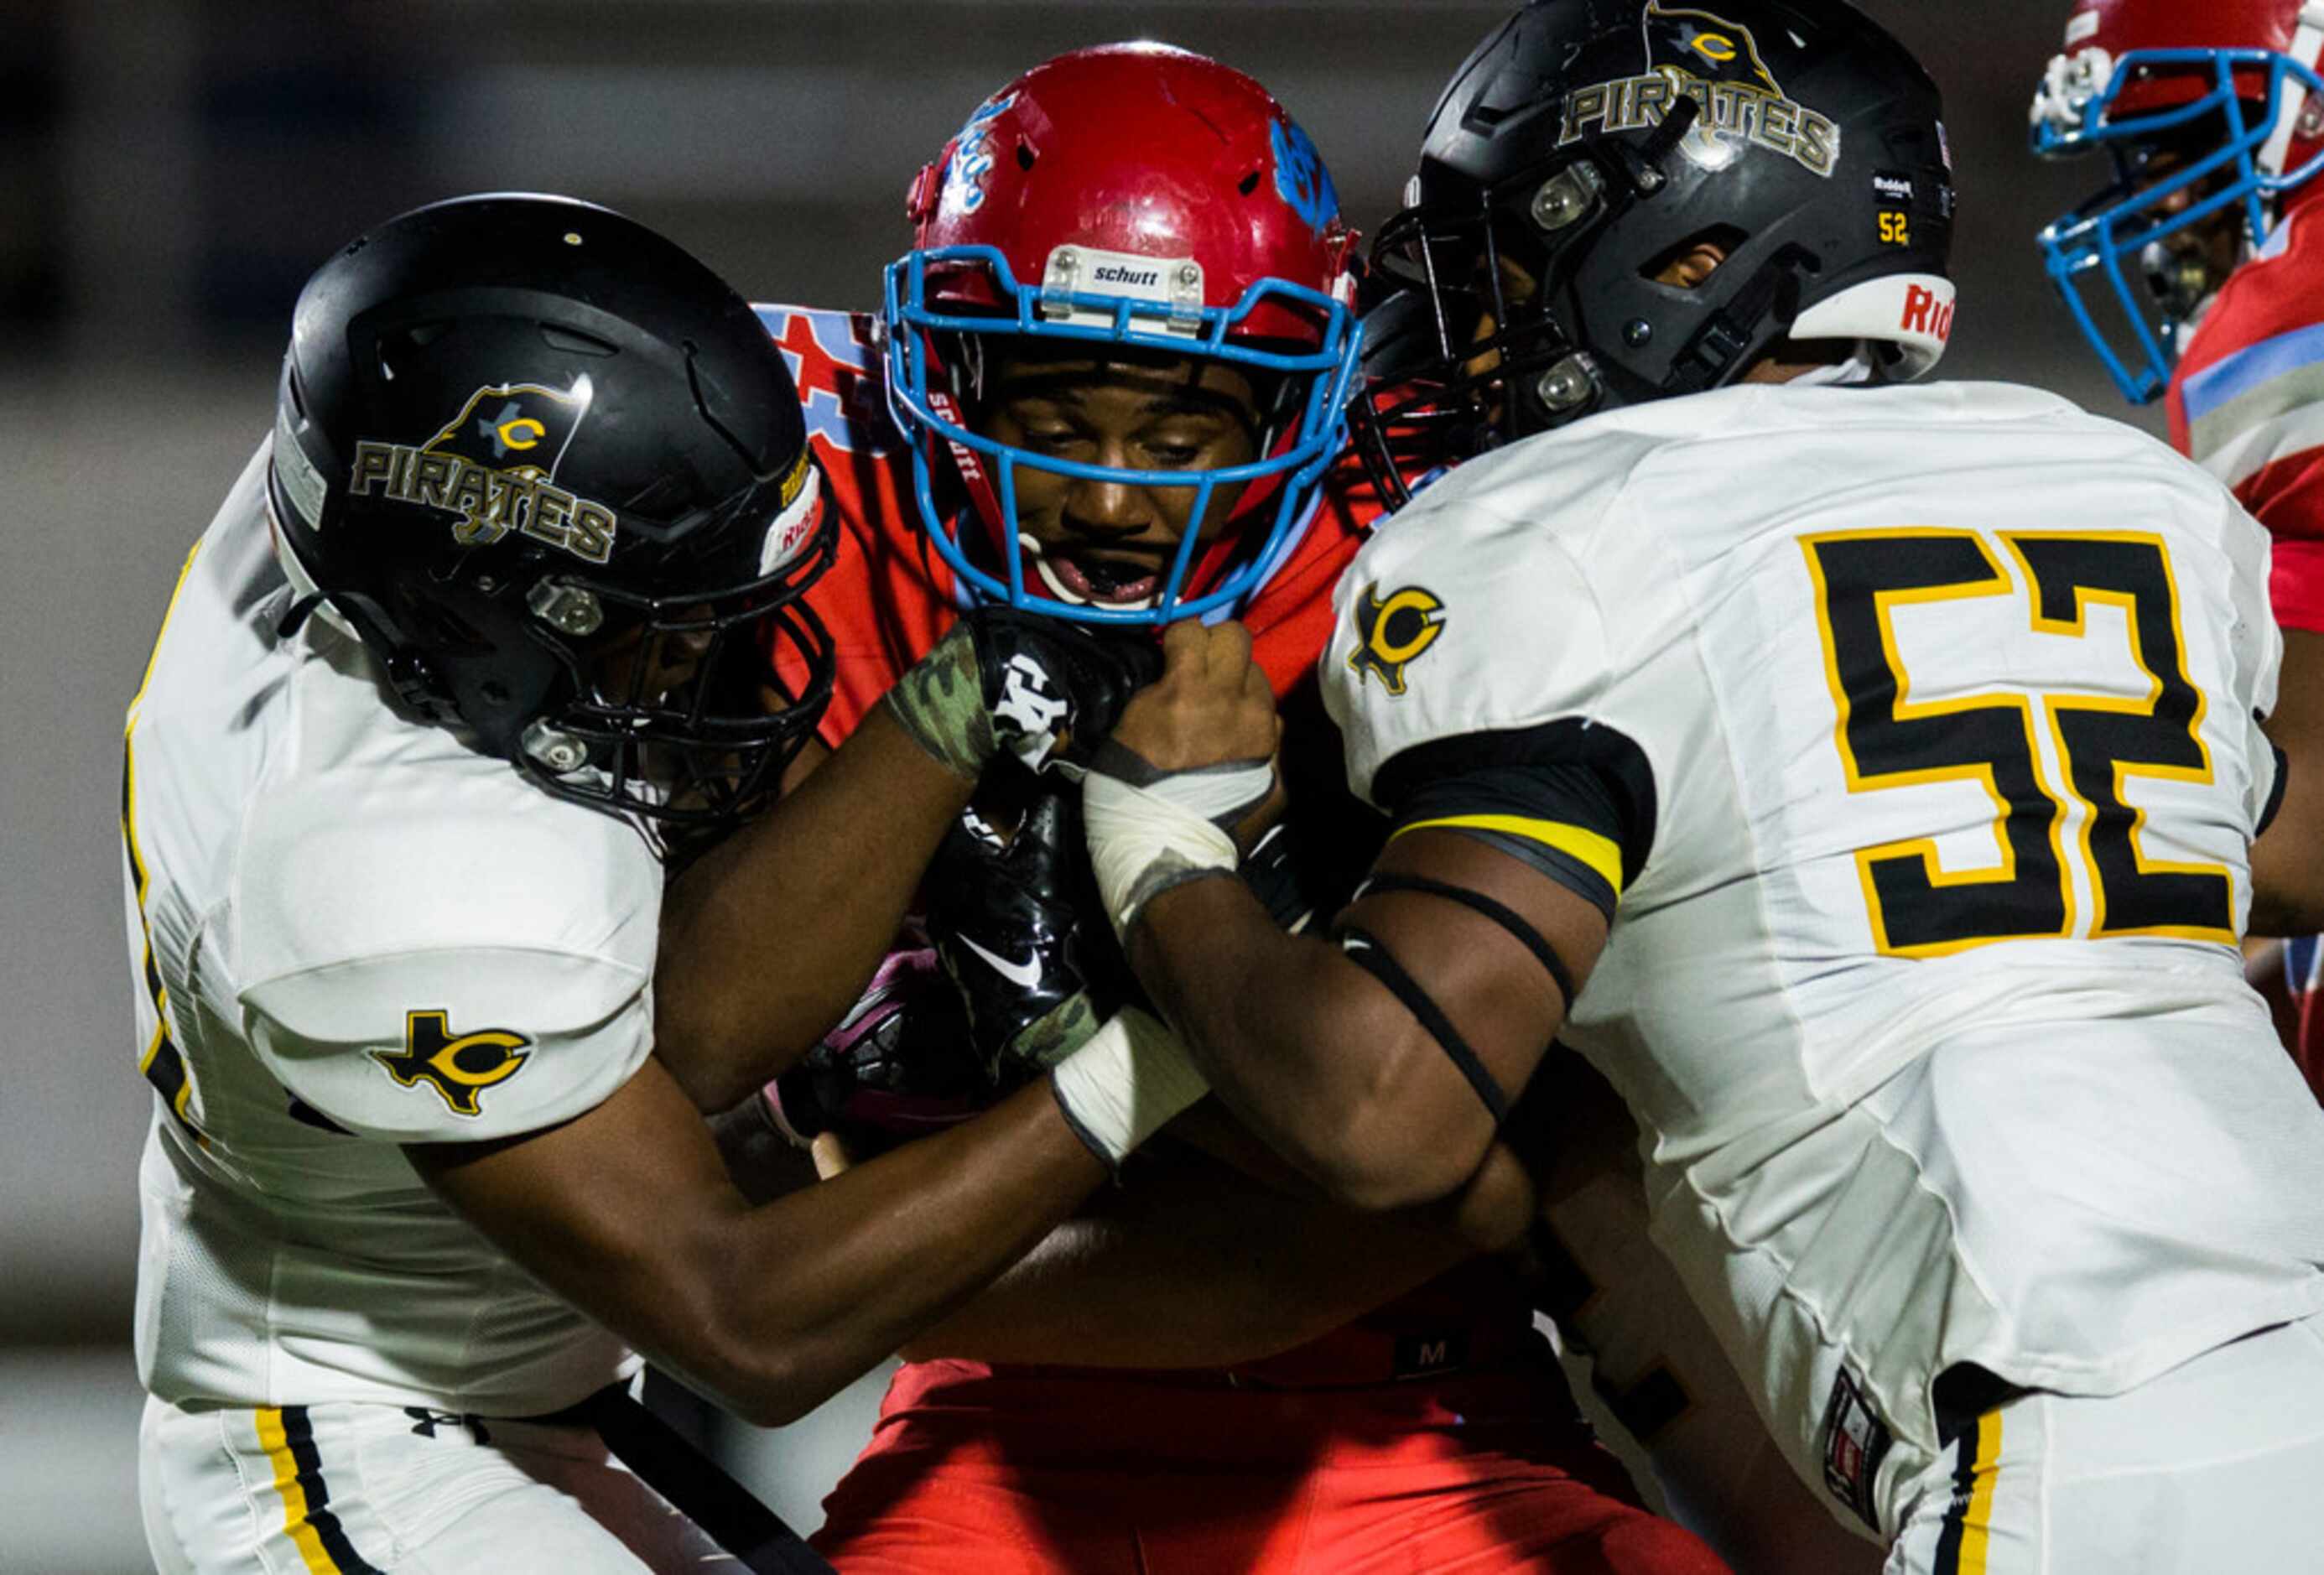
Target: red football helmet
{"points": [[2231, 88], [1128, 195], [2117, 28]]}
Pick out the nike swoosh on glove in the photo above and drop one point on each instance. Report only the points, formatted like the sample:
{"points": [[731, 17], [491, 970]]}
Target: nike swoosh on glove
{"points": [[1004, 913]]}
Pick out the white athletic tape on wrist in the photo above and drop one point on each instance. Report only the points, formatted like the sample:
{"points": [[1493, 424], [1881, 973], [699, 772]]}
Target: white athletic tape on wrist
{"points": [[1222, 794], [1144, 841], [1125, 1084]]}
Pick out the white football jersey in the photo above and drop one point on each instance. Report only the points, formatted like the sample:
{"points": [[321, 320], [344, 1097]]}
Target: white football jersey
{"points": [[1924, 988], [351, 933]]}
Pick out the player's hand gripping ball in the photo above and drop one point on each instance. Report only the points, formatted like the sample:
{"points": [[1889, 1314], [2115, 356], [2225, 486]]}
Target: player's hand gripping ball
{"points": [[899, 1066], [1004, 913]]}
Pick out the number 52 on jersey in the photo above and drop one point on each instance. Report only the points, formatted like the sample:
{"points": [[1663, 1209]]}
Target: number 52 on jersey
{"points": [[2056, 763]]}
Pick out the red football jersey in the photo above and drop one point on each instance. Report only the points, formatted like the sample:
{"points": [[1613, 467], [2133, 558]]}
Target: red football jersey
{"points": [[890, 598], [2247, 404]]}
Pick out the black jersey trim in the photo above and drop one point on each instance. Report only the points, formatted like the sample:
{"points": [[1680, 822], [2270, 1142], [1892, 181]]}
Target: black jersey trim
{"points": [[1533, 772], [2275, 794]]}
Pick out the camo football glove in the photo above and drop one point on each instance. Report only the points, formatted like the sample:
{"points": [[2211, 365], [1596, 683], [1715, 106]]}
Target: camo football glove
{"points": [[1044, 690]]}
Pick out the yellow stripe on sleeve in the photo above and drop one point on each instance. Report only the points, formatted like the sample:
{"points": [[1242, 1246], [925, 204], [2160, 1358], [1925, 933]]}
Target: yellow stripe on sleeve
{"points": [[1603, 855], [296, 1525], [153, 657], [1976, 1520]]}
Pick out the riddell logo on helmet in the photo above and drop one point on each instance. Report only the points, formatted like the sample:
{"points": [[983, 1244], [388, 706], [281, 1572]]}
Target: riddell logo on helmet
{"points": [[1698, 54], [1927, 312], [493, 465]]}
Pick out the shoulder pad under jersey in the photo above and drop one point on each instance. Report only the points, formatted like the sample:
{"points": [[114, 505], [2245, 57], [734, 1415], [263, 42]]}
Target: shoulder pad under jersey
{"points": [[1471, 609], [441, 952]]}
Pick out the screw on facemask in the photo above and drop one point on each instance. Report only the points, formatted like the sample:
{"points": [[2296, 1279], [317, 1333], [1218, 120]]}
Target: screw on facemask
{"points": [[568, 609]]}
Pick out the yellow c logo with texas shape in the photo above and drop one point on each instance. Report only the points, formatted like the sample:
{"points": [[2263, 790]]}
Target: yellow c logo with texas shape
{"points": [[457, 1067], [1394, 631]]}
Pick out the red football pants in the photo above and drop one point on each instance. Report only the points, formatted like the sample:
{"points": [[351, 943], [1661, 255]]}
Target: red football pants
{"points": [[1099, 1474]]}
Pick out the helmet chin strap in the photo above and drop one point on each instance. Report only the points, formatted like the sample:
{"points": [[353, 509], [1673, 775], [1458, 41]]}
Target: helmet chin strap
{"points": [[1717, 349], [358, 618], [407, 672], [2307, 46], [972, 469]]}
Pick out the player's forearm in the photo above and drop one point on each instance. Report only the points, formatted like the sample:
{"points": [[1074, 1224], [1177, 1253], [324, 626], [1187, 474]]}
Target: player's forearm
{"points": [[1305, 1049], [810, 1292], [2287, 868], [627, 1211], [818, 885], [1190, 1265], [2287, 861]]}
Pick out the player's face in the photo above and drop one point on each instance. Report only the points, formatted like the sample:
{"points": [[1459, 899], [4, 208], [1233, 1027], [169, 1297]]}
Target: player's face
{"points": [[1111, 543], [1502, 286], [1511, 286], [636, 668], [2187, 266]]}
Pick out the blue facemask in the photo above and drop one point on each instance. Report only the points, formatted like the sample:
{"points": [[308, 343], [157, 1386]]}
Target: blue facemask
{"points": [[1060, 311], [2072, 115]]}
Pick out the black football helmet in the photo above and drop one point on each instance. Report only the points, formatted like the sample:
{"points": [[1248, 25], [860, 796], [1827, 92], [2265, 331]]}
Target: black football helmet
{"points": [[1586, 144], [552, 472]]}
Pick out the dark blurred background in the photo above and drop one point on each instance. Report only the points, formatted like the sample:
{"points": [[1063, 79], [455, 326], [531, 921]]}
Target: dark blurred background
{"points": [[170, 170]]}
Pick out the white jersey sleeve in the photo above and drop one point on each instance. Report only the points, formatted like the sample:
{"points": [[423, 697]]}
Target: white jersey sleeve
{"points": [[1460, 618], [471, 968]]}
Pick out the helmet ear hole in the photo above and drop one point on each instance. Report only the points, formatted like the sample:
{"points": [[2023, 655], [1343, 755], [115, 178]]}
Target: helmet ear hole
{"points": [[1248, 184], [1726, 239]]}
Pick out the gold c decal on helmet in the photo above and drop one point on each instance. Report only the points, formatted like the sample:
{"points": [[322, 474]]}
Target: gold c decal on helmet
{"points": [[457, 1067], [520, 432], [1714, 47], [1395, 631]]}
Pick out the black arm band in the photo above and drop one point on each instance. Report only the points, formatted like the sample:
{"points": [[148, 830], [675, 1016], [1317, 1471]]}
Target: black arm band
{"points": [[1477, 901], [2275, 793], [1367, 954]]}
